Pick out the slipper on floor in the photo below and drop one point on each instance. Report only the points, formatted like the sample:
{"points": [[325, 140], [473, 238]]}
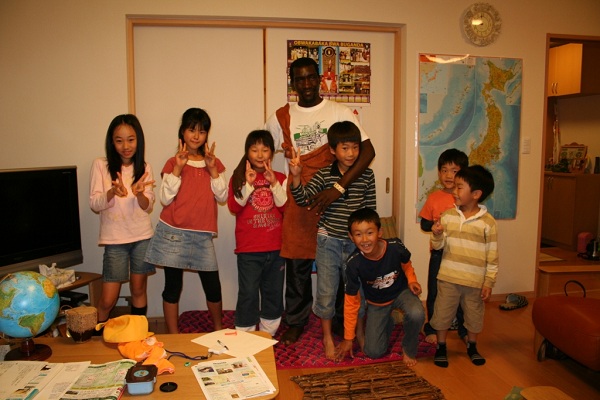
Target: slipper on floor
{"points": [[514, 301]]}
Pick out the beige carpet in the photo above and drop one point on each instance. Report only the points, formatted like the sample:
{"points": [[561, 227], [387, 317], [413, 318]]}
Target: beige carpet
{"points": [[370, 382]]}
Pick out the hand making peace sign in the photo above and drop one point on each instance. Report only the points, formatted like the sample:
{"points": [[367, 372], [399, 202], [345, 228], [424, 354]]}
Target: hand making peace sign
{"points": [[294, 163], [118, 186], [269, 174], [182, 155], [250, 173], [209, 156], [141, 184]]}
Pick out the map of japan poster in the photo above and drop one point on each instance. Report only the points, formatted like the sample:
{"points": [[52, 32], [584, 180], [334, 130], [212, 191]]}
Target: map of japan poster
{"points": [[472, 104]]}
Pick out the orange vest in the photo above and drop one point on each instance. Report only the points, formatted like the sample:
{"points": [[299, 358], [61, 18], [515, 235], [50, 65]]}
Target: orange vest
{"points": [[299, 224]]}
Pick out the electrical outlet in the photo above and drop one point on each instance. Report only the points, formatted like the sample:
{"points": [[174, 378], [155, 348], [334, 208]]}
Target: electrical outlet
{"points": [[526, 145]]}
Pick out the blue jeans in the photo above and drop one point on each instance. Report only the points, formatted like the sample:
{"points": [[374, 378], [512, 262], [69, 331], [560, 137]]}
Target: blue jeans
{"points": [[260, 282], [380, 324], [331, 257], [121, 259]]}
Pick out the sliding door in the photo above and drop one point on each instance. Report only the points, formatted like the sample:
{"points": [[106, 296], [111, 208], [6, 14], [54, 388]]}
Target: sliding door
{"points": [[238, 74]]}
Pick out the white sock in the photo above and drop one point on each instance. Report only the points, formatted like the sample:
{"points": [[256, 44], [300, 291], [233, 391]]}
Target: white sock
{"points": [[246, 328], [269, 325]]}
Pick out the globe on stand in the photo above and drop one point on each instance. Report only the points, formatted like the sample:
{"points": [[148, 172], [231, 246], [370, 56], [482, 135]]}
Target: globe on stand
{"points": [[29, 304]]}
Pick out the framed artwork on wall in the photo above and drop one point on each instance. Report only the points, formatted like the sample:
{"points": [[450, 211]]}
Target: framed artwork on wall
{"points": [[575, 154], [345, 69]]}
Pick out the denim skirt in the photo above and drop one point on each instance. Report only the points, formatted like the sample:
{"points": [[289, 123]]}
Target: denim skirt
{"points": [[183, 249]]}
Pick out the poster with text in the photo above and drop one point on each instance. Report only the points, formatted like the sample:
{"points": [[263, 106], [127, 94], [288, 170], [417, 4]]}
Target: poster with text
{"points": [[344, 67]]}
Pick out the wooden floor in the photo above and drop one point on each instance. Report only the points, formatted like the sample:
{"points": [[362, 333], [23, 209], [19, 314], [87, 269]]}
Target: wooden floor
{"points": [[507, 344]]}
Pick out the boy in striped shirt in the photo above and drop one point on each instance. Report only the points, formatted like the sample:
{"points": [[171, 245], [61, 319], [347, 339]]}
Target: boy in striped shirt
{"points": [[468, 235], [333, 244]]}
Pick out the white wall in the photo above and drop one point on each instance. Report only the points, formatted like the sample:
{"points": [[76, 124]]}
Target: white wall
{"points": [[63, 78]]}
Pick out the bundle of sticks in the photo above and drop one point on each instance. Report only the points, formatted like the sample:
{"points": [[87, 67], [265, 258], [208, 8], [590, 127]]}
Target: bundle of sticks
{"points": [[376, 381]]}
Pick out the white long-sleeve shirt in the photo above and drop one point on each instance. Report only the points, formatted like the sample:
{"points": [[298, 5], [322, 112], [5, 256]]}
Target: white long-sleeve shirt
{"points": [[122, 220]]}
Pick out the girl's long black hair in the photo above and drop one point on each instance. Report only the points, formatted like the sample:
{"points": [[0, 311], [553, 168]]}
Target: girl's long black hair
{"points": [[114, 159]]}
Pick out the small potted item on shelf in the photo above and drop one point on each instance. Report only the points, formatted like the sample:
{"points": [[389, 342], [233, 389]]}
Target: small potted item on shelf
{"points": [[578, 165], [561, 166], [576, 156]]}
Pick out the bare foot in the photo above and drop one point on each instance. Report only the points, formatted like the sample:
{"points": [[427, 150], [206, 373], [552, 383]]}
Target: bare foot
{"points": [[431, 338], [409, 362], [329, 348]]}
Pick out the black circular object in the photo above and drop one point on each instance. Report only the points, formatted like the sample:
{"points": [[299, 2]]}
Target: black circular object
{"points": [[168, 387]]}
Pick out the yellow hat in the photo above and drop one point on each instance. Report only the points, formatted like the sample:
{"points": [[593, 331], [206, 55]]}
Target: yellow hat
{"points": [[126, 328]]}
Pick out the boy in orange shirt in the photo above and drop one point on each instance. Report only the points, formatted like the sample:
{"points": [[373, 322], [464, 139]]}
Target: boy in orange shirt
{"points": [[449, 163]]}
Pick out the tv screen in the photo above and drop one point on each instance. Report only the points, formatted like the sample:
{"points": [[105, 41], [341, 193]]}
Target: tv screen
{"points": [[40, 221]]}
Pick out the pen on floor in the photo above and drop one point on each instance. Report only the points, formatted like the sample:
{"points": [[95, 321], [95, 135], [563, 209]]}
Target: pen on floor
{"points": [[222, 344]]}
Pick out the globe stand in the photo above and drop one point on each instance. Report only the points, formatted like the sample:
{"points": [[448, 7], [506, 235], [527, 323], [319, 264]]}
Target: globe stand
{"points": [[29, 351]]}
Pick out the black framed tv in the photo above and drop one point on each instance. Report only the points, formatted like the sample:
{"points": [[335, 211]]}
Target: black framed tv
{"points": [[39, 223]]}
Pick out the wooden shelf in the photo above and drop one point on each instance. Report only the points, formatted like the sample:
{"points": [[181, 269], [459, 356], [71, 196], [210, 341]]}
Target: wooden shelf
{"points": [[568, 258], [90, 279], [553, 275]]}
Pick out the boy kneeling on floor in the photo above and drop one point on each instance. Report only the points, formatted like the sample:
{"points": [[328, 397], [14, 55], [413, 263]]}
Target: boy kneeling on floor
{"points": [[381, 270]]}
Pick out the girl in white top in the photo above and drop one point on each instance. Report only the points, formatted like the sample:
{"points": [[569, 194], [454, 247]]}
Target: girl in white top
{"points": [[121, 191], [193, 182]]}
